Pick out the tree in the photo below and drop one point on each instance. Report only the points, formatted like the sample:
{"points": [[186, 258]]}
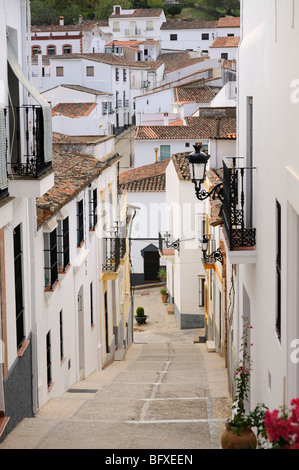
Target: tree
{"points": [[105, 8], [173, 9], [228, 5], [43, 12]]}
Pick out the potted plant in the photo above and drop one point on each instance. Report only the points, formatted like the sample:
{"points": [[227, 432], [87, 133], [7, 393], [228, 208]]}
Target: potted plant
{"points": [[162, 274], [164, 295], [140, 317], [282, 427], [238, 433]]}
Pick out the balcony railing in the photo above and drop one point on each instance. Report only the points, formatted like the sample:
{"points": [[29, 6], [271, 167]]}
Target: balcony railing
{"points": [[26, 141], [236, 202], [135, 32], [111, 254]]}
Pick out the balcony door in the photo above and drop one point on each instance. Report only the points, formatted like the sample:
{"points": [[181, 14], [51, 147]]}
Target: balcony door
{"points": [[132, 27]]}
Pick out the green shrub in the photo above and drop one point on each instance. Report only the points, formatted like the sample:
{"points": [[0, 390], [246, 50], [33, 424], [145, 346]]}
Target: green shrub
{"points": [[140, 311], [162, 291]]}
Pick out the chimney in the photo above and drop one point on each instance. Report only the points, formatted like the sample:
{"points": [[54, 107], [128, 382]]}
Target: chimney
{"points": [[61, 21], [80, 19], [166, 121], [156, 154]]}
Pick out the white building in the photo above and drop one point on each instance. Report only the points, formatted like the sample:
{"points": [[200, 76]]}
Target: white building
{"points": [[83, 37], [145, 189], [29, 177], [225, 48], [184, 34], [268, 285], [78, 110], [139, 24]]}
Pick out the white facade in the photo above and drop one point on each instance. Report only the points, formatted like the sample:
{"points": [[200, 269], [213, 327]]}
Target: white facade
{"points": [[227, 53], [126, 25], [266, 39], [196, 39], [145, 153], [184, 266], [98, 122]]}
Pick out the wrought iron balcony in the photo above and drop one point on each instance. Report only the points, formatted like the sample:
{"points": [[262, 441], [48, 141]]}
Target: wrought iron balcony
{"points": [[26, 141], [236, 202], [111, 254]]}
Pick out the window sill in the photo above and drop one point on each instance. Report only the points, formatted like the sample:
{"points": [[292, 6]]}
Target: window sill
{"points": [[81, 244], [64, 271], [50, 387], [23, 348], [53, 288], [92, 327], [62, 360]]}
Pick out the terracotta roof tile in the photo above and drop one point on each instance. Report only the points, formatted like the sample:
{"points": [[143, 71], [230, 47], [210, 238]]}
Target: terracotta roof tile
{"points": [[139, 13], [194, 94], [226, 42], [147, 178], [229, 22], [176, 60], [73, 110], [72, 172], [188, 24]]}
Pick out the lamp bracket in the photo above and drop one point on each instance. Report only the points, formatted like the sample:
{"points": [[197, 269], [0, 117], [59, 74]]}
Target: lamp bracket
{"points": [[216, 191]]}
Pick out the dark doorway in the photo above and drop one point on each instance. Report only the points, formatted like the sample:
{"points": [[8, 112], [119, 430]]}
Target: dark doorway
{"points": [[151, 265], [106, 322]]}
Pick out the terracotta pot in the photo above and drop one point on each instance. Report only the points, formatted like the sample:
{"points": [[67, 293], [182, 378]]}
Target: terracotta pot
{"points": [[246, 439], [164, 298]]}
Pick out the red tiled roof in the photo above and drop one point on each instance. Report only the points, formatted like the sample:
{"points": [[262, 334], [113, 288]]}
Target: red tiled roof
{"points": [[176, 60], [189, 24], [72, 172], [73, 110], [194, 94], [229, 22], [226, 42], [139, 13], [147, 178]]}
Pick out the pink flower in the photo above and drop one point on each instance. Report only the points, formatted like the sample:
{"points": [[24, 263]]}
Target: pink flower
{"points": [[251, 344]]}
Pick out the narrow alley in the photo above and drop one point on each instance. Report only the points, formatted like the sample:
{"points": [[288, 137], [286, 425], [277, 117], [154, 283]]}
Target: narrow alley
{"points": [[166, 393]]}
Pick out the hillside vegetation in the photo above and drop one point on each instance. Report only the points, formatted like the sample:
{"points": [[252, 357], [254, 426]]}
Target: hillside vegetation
{"points": [[49, 11]]}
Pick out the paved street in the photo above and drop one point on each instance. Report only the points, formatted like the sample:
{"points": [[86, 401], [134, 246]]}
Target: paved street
{"points": [[167, 393]]}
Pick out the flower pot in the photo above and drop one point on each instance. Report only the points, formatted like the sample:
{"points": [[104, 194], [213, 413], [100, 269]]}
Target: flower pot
{"points": [[246, 439], [164, 298], [141, 319]]}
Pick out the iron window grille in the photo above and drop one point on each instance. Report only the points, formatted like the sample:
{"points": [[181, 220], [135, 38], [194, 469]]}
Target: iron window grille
{"points": [[80, 222], [91, 304], [50, 259], [33, 162], [61, 334], [93, 204], [63, 244], [124, 75], [18, 286], [117, 75], [48, 356]]}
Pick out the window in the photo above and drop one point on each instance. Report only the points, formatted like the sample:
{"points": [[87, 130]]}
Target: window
{"points": [[230, 35], [187, 144], [110, 110], [59, 72], [51, 50], [50, 259], [61, 334], [205, 36], [91, 304], [90, 71], [80, 223], [18, 285], [67, 49], [124, 75], [164, 152], [93, 203], [117, 75], [201, 301], [224, 55], [278, 270], [104, 107], [116, 26], [149, 26], [173, 37], [201, 227], [63, 244], [48, 355], [36, 50]]}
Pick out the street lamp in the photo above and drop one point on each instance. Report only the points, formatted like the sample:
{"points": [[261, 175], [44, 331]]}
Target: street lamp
{"points": [[212, 257], [175, 245], [197, 164]]}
